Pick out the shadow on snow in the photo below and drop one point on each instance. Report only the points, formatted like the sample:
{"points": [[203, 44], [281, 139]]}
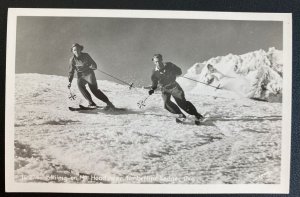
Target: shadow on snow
{"points": [[246, 118]]}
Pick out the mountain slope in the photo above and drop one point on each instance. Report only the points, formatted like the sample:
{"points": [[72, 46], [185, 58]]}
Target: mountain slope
{"points": [[240, 143]]}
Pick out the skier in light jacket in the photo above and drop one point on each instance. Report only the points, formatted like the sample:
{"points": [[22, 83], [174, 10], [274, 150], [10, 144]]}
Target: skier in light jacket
{"points": [[84, 65]]}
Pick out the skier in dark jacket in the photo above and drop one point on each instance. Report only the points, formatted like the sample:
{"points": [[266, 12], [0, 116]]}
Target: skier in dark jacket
{"points": [[165, 74], [85, 66]]}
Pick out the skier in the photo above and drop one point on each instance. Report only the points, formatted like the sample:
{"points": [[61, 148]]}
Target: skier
{"points": [[165, 74], [213, 74], [85, 66]]}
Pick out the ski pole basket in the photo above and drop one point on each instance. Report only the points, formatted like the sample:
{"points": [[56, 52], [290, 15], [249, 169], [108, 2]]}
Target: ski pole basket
{"points": [[72, 96], [142, 103]]}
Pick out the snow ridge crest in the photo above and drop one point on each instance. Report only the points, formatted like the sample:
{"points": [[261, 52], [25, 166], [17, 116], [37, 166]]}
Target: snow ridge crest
{"points": [[256, 75]]}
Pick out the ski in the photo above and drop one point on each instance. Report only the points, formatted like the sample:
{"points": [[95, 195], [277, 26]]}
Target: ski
{"points": [[84, 108], [74, 108], [189, 121], [81, 108], [89, 108], [180, 120]]}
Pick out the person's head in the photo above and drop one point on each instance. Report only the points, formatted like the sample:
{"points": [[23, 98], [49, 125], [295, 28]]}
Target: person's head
{"points": [[210, 67], [76, 49], [157, 59]]}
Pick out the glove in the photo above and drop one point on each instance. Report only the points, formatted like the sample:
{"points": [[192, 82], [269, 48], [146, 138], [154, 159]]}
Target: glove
{"points": [[69, 86], [151, 92]]}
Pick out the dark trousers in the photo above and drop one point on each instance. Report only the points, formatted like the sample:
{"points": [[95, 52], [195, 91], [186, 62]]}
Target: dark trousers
{"points": [[90, 79], [179, 97]]}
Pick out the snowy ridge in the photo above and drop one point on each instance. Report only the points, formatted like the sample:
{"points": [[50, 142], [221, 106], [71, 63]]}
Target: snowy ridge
{"points": [[256, 74], [240, 143]]}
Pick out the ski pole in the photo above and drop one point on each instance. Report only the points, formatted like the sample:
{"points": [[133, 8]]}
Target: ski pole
{"points": [[130, 84], [142, 103], [72, 96], [217, 87]]}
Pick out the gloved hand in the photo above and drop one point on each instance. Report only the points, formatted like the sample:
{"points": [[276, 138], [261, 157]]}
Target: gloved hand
{"points": [[69, 86], [151, 91]]}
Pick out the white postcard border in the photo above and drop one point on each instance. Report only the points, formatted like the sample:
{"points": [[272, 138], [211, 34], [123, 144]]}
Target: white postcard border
{"points": [[12, 186]]}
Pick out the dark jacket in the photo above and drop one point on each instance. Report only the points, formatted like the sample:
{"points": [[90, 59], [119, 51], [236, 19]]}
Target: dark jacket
{"points": [[165, 76], [83, 64]]}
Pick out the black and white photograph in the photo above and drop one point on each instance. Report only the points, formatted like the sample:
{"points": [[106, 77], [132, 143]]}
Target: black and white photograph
{"points": [[136, 101]]}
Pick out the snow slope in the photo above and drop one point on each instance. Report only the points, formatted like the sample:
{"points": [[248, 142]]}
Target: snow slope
{"points": [[256, 74], [240, 143]]}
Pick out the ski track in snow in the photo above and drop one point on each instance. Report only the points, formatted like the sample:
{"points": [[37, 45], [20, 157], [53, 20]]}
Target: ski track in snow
{"points": [[239, 144]]}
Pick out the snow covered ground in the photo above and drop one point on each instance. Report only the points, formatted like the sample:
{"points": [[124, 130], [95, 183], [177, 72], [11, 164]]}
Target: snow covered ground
{"points": [[240, 143], [256, 75]]}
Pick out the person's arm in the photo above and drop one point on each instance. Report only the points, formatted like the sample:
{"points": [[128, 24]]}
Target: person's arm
{"points": [[71, 70], [154, 83], [175, 69], [93, 64]]}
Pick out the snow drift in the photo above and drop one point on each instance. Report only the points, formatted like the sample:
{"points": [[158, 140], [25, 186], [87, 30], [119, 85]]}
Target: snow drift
{"points": [[256, 75]]}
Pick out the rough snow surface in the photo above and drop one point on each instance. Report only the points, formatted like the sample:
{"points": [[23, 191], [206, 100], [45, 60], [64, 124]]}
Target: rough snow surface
{"points": [[240, 143]]}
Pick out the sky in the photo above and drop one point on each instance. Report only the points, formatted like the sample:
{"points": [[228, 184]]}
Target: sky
{"points": [[123, 47]]}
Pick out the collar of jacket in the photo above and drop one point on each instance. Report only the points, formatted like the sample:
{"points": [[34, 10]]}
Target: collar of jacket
{"points": [[157, 68]]}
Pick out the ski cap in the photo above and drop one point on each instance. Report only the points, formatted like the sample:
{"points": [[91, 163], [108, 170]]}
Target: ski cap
{"points": [[77, 45]]}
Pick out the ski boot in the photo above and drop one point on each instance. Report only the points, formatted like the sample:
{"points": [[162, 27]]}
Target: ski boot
{"points": [[180, 118], [109, 106], [92, 106], [198, 119]]}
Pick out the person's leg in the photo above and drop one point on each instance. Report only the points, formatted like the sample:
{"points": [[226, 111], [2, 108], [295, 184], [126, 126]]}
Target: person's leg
{"points": [[98, 93], [92, 82], [169, 105], [187, 106], [81, 86]]}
